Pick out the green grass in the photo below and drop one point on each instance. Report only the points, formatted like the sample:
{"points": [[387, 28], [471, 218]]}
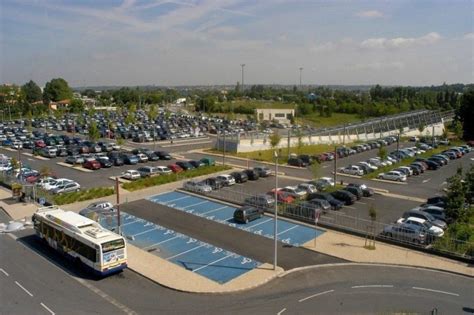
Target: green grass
{"points": [[165, 179], [89, 194], [316, 120], [405, 162], [267, 155]]}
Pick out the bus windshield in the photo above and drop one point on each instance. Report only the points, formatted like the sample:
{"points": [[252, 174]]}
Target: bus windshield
{"points": [[112, 245]]}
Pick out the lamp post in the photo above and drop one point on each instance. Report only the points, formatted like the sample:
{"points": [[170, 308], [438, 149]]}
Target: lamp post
{"points": [[275, 229], [242, 65]]}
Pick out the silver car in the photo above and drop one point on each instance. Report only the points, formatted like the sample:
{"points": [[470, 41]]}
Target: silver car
{"points": [[405, 233], [197, 187]]}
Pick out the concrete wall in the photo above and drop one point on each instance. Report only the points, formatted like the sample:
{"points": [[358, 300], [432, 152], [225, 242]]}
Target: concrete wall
{"points": [[249, 145]]}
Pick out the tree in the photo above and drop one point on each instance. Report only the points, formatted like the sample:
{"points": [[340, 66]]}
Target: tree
{"points": [[456, 197], [465, 114], [458, 129], [370, 238], [469, 184], [32, 92], [77, 106], [56, 90], [382, 154], [299, 135], [421, 127], [315, 169], [152, 113], [275, 139], [93, 131]]}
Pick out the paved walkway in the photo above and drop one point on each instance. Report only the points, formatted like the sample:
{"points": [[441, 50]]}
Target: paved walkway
{"points": [[337, 244]]}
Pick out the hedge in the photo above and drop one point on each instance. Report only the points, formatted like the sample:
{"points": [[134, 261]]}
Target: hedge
{"points": [[92, 193], [165, 179]]}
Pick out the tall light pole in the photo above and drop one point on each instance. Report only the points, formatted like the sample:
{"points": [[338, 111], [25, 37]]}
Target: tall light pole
{"points": [[275, 229], [242, 65], [301, 71]]}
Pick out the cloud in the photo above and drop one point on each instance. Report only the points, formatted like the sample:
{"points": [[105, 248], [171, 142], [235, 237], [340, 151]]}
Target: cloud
{"points": [[379, 65], [469, 36], [399, 42], [370, 14]]}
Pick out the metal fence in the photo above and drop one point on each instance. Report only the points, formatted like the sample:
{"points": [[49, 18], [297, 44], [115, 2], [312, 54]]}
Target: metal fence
{"points": [[31, 192], [358, 225]]}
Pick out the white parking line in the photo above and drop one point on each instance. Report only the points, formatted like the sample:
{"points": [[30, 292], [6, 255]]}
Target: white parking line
{"points": [[214, 210], [212, 263], [370, 198], [187, 251], [196, 204], [122, 225], [169, 201], [361, 203], [144, 232], [47, 308], [260, 223], [426, 180], [372, 286], [354, 208], [229, 218], [28, 292], [159, 243], [4, 272], [282, 311], [291, 228], [315, 295], [436, 291]]}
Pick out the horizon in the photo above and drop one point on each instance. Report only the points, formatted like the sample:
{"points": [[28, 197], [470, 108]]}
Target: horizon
{"points": [[204, 42]]}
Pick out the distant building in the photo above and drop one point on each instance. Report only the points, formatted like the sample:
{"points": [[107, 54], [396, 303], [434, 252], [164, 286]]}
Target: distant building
{"points": [[282, 115], [59, 105], [181, 101]]}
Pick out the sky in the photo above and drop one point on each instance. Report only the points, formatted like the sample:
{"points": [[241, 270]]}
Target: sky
{"points": [[204, 42]]}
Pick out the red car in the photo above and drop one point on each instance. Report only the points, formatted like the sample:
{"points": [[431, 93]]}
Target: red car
{"points": [[282, 196], [92, 165], [40, 144], [175, 168]]}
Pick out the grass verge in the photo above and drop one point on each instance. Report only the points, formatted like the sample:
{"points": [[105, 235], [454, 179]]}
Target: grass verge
{"points": [[89, 194], [165, 179]]}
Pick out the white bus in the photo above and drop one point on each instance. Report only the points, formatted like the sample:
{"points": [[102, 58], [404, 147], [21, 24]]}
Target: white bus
{"points": [[100, 250]]}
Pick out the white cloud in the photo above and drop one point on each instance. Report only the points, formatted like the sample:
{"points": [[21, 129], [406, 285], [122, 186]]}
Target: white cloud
{"points": [[469, 36], [399, 42], [370, 14], [379, 65]]}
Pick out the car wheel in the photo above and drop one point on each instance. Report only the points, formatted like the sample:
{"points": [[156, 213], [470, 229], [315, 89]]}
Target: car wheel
{"points": [[399, 179]]}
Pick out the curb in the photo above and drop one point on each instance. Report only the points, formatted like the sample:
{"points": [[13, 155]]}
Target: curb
{"points": [[372, 264], [388, 181]]}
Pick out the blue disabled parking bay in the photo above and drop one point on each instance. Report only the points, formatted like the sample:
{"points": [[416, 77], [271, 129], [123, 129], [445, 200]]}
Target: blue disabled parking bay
{"points": [[289, 233], [202, 258]]}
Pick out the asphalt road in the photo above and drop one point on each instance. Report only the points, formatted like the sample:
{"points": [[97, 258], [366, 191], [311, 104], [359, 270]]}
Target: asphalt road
{"points": [[249, 245]]}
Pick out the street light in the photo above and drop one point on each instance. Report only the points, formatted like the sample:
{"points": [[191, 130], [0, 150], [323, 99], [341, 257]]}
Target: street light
{"points": [[275, 229], [301, 70], [242, 65]]}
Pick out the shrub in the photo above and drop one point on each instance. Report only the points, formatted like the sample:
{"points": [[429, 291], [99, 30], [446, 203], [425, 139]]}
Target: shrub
{"points": [[165, 179], [92, 193]]}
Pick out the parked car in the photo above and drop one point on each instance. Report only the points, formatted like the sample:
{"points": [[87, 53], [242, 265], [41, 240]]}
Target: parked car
{"points": [[116, 160], [163, 155], [240, 177], [66, 187], [405, 233], [130, 159], [247, 213], [366, 191], [208, 161], [297, 162], [356, 191], [175, 168], [251, 174], [131, 175], [185, 165], [227, 179], [260, 201], [163, 170], [309, 188], [321, 203], [282, 196], [438, 201], [147, 171], [335, 203], [344, 196], [263, 171], [296, 192], [104, 162], [91, 164], [214, 182], [197, 163], [197, 187], [431, 229], [437, 212], [352, 170], [75, 160], [426, 216], [393, 175]]}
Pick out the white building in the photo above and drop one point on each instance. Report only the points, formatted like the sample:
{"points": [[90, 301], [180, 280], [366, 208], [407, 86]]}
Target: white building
{"points": [[282, 115]]}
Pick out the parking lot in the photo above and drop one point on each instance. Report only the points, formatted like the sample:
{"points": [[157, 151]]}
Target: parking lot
{"points": [[288, 232], [192, 254]]}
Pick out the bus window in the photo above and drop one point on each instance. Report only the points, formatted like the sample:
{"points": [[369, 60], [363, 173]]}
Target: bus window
{"points": [[112, 245]]}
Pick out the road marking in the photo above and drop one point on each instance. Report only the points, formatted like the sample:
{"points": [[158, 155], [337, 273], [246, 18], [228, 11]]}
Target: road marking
{"points": [[167, 240], [187, 251], [4, 272], [372, 286], [47, 308], [282, 311], [436, 291], [144, 232], [354, 208], [214, 210], [212, 263], [291, 228], [361, 203], [370, 198], [196, 204], [315, 295], [229, 218], [28, 292], [259, 223], [169, 201], [134, 221], [426, 180]]}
